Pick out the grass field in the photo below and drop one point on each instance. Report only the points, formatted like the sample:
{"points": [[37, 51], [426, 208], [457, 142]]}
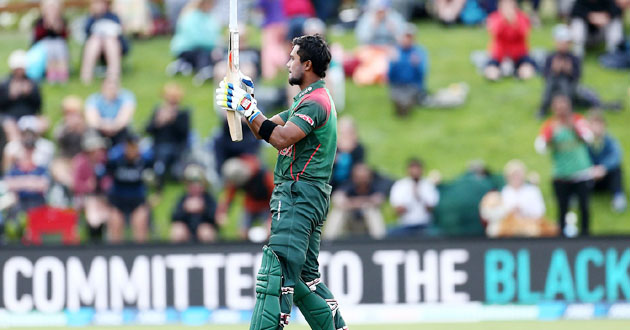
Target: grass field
{"points": [[496, 124], [558, 325]]}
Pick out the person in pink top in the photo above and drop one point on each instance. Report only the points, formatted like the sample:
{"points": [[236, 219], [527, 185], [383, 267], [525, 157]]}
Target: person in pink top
{"points": [[509, 30]]}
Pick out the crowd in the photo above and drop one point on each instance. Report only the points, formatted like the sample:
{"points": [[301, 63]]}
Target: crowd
{"points": [[112, 175]]}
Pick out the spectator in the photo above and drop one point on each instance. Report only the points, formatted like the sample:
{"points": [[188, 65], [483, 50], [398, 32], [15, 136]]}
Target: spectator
{"points": [[566, 134], [274, 35], [448, 11], [606, 155], [197, 35], [562, 74], [135, 16], [297, 12], [247, 174], [19, 96], [128, 194], [169, 127], [193, 217], [110, 111], [89, 183], [224, 148], [509, 30], [413, 199], [51, 31], [593, 20], [350, 152], [69, 136], [377, 31], [104, 39], [28, 180], [520, 198], [39, 150], [407, 73], [359, 199]]}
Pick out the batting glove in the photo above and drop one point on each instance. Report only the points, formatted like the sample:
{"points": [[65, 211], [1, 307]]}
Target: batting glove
{"points": [[237, 99], [246, 83]]}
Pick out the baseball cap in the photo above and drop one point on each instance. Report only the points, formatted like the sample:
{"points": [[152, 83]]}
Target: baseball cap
{"points": [[28, 123], [17, 60], [561, 33]]}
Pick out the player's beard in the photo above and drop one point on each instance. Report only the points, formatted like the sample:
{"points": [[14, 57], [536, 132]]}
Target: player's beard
{"points": [[296, 80]]}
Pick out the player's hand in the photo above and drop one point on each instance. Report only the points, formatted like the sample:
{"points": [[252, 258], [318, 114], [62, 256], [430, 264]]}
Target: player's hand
{"points": [[246, 83], [234, 98]]}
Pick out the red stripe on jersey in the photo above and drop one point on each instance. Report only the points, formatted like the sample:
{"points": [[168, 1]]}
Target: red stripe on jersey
{"points": [[305, 165]]}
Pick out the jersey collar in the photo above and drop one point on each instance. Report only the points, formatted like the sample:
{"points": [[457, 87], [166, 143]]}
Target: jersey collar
{"points": [[309, 89]]}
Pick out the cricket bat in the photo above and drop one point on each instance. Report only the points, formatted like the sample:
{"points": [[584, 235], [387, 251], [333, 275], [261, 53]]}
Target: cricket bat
{"points": [[233, 118]]}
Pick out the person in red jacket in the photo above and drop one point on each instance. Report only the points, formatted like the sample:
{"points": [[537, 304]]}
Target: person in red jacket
{"points": [[245, 173], [509, 30]]}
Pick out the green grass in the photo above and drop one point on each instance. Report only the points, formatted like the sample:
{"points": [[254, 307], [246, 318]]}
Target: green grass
{"points": [[559, 325], [496, 124]]}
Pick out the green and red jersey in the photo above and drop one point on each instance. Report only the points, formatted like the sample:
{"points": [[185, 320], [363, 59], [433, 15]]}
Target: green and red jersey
{"points": [[310, 159], [568, 147]]}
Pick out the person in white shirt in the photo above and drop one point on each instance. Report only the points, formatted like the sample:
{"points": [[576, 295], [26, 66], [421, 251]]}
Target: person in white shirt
{"points": [[523, 199], [413, 198]]}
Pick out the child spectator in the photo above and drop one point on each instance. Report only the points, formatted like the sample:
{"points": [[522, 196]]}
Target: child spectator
{"points": [[359, 199], [509, 32], [247, 174], [104, 39], [169, 127], [521, 198], [110, 111], [19, 96], [593, 20], [413, 199], [89, 183], [197, 35], [51, 31], [407, 73], [606, 155], [128, 194], [69, 136], [566, 135], [193, 217], [40, 151]]}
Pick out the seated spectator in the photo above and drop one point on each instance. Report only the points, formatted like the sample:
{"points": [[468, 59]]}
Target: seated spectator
{"points": [[19, 96], [457, 213], [39, 149], [413, 198], [28, 181], [594, 20], [407, 73], [197, 35], [509, 32], [51, 32], [246, 174], [357, 200], [104, 40], [522, 199], [135, 16], [89, 183], [274, 37], [566, 135], [297, 12], [224, 148], [377, 32], [110, 111], [350, 152], [448, 11], [128, 194], [562, 74], [606, 156], [69, 135], [194, 215], [169, 127]]}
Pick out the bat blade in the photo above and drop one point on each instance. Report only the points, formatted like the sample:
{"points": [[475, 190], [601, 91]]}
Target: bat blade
{"points": [[233, 118]]}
